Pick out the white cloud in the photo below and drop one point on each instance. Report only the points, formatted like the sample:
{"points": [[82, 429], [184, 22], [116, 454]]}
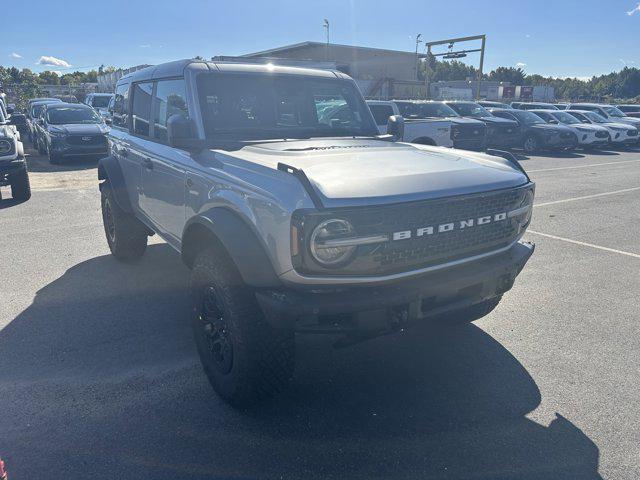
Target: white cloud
{"points": [[634, 10], [520, 65], [15, 55], [53, 61], [527, 36], [146, 45]]}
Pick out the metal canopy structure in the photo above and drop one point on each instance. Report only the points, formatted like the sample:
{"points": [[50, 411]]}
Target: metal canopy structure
{"points": [[451, 54]]}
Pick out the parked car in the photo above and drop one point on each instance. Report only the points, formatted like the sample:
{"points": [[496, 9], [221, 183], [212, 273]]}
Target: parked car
{"points": [[488, 104], [427, 131], [69, 130], [34, 109], [466, 133], [619, 133], [589, 136], [500, 132], [291, 224], [536, 134], [13, 166], [609, 112], [630, 110], [561, 106], [99, 102], [534, 106]]}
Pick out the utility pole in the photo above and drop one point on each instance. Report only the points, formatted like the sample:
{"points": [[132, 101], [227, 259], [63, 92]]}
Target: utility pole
{"points": [[484, 39], [326, 25], [427, 72], [418, 42]]}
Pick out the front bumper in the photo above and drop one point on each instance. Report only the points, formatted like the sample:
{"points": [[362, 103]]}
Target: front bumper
{"points": [[63, 149], [363, 307], [558, 143], [499, 140]]}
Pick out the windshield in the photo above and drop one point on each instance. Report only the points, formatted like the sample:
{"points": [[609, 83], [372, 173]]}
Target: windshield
{"points": [[247, 107], [101, 101], [72, 115], [426, 110], [595, 117], [526, 117], [36, 111], [470, 110], [613, 111], [565, 118]]}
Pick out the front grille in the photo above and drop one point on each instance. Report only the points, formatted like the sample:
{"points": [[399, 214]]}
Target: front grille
{"points": [[86, 140], [602, 134], [396, 256], [632, 133], [460, 132]]}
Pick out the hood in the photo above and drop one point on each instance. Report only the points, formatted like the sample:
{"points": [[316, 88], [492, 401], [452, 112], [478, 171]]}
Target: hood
{"points": [[628, 120], [465, 121], [588, 126], [79, 129], [351, 172], [550, 127], [624, 126], [498, 121]]}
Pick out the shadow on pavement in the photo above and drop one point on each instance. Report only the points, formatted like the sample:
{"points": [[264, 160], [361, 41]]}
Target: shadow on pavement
{"points": [[40, 163], [100, 379]]}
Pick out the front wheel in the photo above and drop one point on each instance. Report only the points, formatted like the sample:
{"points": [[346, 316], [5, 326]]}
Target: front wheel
{"points": [[20, 185], [244, 358], [126, 236], [531, 144]]}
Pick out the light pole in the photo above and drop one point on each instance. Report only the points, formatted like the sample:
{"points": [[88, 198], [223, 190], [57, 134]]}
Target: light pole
{"points": [[326, 25], [418, 42]]}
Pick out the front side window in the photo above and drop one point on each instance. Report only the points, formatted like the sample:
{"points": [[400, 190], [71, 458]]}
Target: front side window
{"points": [[141, 108], [566, 118], [527, 118], [381, 113], [100, 101], [72, 115], [249, 107], [596, 117], [170, 99], [614, 112], [470, 110], [121, 106]]}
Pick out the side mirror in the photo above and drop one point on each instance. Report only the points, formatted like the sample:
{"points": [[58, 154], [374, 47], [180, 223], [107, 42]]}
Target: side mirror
{"points": [[395, 127], [586, 121], [108, 121], [555, 122], [180, 133]]}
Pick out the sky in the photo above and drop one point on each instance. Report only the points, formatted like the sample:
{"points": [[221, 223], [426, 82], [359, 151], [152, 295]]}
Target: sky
{"points": [[562, 38]]}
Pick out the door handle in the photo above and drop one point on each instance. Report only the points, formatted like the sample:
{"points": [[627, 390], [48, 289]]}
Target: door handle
{"points": [[148, 164]]}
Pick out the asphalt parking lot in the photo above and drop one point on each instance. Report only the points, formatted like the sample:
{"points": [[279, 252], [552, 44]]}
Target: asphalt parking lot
{"points": [[99, 377]]}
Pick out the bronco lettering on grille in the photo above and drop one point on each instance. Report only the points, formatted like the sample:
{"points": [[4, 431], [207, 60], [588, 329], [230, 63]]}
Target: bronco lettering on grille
{"points": [[448, 227]]}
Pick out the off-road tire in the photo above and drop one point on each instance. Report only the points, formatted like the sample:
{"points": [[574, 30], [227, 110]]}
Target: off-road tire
{"points": [[262, 358], [126, 235], [531, 144], [472, 313], [20, 185]]}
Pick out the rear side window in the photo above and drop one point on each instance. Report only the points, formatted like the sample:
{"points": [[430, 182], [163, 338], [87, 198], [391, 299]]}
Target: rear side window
{"points": [[170, 99], [381, 113], [121, 106], [141, 108]]}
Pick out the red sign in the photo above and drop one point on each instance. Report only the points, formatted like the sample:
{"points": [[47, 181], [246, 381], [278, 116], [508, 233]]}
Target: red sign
{"points": [[508, 91], [526, 93]]}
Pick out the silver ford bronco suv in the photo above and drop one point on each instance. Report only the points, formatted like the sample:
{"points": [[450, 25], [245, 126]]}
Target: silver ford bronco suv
{"points": [[13, 166], [296, 216]]}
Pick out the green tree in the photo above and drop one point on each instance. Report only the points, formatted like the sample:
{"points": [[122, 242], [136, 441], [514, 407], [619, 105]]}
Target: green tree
{"points": [[49, 78]]}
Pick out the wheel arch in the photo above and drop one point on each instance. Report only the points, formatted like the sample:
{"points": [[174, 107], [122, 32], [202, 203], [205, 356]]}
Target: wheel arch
{"points": [[225, 230], [425, 141], [109, 170]]}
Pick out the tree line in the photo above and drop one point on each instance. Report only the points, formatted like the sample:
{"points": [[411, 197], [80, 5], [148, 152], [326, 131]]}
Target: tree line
{"points": [[614, 86]]}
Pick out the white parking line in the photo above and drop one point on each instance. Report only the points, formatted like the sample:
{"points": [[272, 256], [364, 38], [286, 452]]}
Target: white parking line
{"points": [[615, 192], [582, 166], [585, 244]]}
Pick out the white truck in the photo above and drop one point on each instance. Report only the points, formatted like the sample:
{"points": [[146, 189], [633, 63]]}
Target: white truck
{"points": [[424, 131]]}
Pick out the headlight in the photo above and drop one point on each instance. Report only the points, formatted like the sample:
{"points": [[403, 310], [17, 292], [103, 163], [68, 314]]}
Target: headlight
{"points": [[5, 147], [523, 213], [325, 242], [56, 133]]}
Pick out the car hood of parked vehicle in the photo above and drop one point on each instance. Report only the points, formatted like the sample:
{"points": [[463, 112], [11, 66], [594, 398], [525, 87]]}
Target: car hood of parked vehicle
{"points": [[550, 127], [465, 120], [587, 126], [496, 121], [357, 171], [618, 126], [80, 129]]}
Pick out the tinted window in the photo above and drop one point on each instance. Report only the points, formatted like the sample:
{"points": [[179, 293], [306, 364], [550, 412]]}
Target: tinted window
{"points": [[100, 101], [381, 113], [629, 108], [470, 110], [141, 108], [170, 99], [545, 116], [527, 118], [121, 106]]}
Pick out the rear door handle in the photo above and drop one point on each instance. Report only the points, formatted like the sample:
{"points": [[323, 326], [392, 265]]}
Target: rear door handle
{"points": [[148, 164]]}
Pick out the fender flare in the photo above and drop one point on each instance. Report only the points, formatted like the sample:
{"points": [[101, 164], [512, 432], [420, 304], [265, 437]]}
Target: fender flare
{"points": [[238, 239], [109, 169]]}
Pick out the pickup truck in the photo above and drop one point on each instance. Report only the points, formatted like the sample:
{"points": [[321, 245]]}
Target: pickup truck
{"points": [[294, 219], [426, 131]]}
